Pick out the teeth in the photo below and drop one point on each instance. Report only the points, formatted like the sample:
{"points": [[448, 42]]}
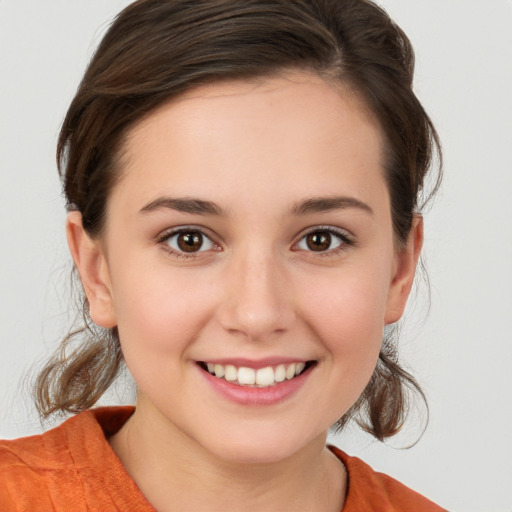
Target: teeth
{"points": [[219, 370], [280, 373], [264, 377], [230, 373], [246, 376], [299, 367]]}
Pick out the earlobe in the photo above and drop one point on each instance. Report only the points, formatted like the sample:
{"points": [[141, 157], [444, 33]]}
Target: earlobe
{"points": [[91, 263], [403, 278]]}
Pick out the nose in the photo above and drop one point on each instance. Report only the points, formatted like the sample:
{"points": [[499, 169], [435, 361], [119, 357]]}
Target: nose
{"points": [[257, 300]]}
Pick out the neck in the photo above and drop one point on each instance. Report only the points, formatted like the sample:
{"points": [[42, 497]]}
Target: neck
{"points": [[174, 472]]}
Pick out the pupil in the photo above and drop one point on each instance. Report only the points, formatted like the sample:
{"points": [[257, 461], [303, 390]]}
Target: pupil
{"points": [[190, 242], [319, 241]]}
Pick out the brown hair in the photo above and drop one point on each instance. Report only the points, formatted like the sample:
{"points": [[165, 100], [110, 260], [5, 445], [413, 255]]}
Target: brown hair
{"points": [[158, 49]]}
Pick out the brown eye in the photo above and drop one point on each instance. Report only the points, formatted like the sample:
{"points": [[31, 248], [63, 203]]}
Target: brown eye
{"points": [[189, 242], [322, 240], [319, 241]]}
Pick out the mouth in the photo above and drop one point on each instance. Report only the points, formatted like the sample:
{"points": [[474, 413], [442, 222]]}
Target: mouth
{"points": [[266, 377]]}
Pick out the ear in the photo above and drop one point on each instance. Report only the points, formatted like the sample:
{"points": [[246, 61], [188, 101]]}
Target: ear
{"points": [[90, 260], [405, 267]]}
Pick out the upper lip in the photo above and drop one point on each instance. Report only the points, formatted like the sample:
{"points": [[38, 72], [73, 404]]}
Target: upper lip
{"points": [[255, 363]]}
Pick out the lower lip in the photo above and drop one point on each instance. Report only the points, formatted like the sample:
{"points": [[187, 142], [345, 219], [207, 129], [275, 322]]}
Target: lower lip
{"points": [[245, 395]]}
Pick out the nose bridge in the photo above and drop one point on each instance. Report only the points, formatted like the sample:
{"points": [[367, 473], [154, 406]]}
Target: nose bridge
{"points": [[256, 304]]}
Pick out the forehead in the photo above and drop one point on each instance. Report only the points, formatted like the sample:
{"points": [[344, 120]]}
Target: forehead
{"points": [[296, 129]]}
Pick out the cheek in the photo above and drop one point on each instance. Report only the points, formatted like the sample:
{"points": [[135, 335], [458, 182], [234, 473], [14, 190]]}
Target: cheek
{"points": [[349, 325], [348, 300], [159, 313], [347, 313]]}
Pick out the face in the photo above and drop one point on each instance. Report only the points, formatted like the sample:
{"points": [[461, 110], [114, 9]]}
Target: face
{"points": [[248, 263]]}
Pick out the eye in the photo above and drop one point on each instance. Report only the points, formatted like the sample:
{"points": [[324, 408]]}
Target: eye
{"points": [[323, 240], [189, 241]]}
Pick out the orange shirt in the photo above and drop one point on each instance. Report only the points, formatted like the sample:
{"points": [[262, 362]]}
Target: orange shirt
{"points": [[73, 468]]}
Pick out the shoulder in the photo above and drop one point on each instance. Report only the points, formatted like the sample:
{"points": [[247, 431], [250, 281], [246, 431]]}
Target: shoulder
{"points": [[369, 490], [30, 465], [43, 470], [17, 473]]}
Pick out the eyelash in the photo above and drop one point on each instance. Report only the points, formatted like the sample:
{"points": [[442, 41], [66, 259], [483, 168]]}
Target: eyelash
{"points": [[346, 240], [161, 240]]}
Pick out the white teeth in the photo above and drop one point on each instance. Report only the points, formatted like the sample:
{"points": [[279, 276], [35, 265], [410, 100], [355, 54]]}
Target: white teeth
{"points": [[280, 373], [246, 376], [219, 370], [230, 373], [299, 367], [264, 377]]}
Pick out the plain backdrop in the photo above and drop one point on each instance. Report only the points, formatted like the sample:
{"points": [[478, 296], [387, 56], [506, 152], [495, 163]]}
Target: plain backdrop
{"points": [[461, 351]]}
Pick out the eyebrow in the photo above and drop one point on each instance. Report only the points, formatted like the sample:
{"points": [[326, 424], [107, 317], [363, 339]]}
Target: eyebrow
{"points": [[325, 204], [184, 204], [304, 207]]}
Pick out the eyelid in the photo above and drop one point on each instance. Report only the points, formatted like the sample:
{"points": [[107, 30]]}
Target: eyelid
{"points": [[342, 232], [345, 236], [170, 232]]}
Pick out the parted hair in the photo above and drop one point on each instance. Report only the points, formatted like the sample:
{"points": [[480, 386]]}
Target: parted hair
{"points": [[156, 50]]}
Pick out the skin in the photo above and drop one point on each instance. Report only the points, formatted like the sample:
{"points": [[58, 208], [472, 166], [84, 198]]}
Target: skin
{"points": [[257, 150]]}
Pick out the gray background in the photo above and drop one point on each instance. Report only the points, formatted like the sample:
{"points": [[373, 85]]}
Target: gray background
{"points": [[462, 353]]}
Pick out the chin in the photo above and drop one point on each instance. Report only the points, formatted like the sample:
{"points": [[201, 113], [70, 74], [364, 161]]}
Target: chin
{"points": [[262, 445]]}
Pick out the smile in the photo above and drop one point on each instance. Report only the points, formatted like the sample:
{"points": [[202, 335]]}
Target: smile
{"points": [[260, 378]]}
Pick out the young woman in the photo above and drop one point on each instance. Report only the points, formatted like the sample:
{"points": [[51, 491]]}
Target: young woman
{"points": [[242, 181]]}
